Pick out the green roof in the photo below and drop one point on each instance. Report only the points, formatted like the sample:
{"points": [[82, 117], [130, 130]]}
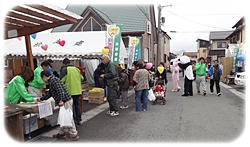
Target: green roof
{"points": [[132, 17]]}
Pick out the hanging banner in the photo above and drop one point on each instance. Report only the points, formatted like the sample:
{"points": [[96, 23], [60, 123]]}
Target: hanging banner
{"points": [[114, 42], [235, 50], [134, 48]]}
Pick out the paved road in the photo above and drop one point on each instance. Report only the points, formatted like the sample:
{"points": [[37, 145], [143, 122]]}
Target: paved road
{"points": [[183, 119]]}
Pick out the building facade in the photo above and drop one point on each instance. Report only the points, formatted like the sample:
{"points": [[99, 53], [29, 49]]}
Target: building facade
{"points": [[136, 21]]}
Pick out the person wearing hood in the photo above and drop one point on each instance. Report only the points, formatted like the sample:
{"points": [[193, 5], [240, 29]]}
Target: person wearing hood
{"points": [[72, 78], [123, 82], [186, 65]]}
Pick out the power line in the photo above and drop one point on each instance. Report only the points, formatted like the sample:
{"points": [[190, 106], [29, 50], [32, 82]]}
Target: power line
{"points": [[197, 22]]}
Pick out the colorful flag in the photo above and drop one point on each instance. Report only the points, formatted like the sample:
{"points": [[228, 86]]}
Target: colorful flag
{"points": [[134, 48], [114, 42]]}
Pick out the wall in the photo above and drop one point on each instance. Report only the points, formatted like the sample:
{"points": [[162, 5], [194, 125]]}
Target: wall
{"points": [[214, 44]]}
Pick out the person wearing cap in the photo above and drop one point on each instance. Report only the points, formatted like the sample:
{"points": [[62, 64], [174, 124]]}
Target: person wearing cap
{"points": [[200, 71]]}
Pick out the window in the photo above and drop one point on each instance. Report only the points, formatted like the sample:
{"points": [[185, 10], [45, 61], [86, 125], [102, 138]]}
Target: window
{"points": [[204, 51], [91, 25], [221, 45]]}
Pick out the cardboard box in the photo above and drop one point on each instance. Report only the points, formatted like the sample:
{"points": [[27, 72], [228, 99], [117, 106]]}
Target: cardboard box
{"points": [[96, 100], [30, 123], [96, 94], [40, 122]]}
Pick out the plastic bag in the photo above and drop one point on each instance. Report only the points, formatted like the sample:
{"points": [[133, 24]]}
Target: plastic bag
{"points": [[151, 96], [65, 117]]}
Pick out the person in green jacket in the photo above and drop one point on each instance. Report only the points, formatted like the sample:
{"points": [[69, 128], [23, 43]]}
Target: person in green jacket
{"points": [[36, 86], [16, 90], [72, 78], [200, 70]]}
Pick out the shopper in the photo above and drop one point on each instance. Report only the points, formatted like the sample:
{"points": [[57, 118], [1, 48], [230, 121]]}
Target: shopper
{"points": [[200, 71], [62, 97], [110, 77], [123, 82], [215, 73], [141, 85], [36, 86], [162, 75], [72, 78], [16, 91]]}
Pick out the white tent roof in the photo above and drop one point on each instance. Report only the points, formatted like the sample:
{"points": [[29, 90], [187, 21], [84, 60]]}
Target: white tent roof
{"points": [[76, 44]]}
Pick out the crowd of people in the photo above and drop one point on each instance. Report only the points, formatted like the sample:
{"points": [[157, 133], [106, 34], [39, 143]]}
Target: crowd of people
{"points": [[66, 87]]}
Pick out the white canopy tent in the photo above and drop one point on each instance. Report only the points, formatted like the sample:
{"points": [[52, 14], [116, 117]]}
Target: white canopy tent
{"points": [[57, 46]]}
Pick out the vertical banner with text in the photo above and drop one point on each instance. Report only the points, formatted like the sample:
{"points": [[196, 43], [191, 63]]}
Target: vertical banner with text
{"points": [[114, 41], [134, 48]]}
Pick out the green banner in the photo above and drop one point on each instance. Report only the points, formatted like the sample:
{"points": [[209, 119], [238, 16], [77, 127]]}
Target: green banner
{"points": [[116, 48]]}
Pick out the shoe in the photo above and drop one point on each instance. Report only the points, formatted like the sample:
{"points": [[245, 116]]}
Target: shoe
{"points": [[124, 107], [72, 138], [204, 93], [144, 110], [109, 112], [199, 92], [211, 93], [59, 136], [79, 123], [190, 94], [114, 113], [219, 94], [184, 95]]}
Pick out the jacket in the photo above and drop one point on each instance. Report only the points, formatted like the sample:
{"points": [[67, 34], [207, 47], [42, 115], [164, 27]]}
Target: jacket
{"points": [[123, 80], [111, 74], [57, 90], [37, 81], [211, 72], [200, 69], [163, 75], [72, 78], [16, 90]]}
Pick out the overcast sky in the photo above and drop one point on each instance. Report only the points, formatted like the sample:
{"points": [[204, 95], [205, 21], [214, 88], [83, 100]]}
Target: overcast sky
{"points": [[191, 19]]}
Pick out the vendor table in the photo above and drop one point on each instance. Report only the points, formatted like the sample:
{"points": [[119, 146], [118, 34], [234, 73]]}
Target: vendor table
{"points": [[14, 121]]}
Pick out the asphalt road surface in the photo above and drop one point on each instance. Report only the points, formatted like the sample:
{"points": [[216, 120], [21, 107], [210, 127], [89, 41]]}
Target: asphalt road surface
{"points": [[195, 118]]}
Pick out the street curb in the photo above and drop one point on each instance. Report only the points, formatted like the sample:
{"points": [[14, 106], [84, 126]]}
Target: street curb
{"points": [[231, 89]]}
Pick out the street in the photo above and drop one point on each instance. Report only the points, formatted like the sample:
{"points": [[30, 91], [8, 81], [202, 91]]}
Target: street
{"points": [[195, 118]]}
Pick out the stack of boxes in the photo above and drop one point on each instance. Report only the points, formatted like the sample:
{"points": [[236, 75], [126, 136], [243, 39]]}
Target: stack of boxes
{"points": [[96, 96]]}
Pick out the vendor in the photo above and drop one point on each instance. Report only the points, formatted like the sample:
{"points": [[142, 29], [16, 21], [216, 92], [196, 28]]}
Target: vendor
{"points": [[37, 84], [16, 90]]}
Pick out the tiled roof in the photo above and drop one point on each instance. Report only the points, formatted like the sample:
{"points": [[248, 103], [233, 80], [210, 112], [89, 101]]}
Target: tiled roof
{"points": [[132, 17], [216, 35]]}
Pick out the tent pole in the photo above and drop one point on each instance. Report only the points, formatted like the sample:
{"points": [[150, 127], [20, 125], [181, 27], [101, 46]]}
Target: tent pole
{"points": [[29, 52]]}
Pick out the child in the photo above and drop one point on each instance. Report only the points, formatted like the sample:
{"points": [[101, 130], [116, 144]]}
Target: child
{"points": [[159, 88]]}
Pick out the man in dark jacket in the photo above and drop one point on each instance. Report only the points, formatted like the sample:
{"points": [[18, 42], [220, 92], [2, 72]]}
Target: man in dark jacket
{"points": [[110, 77]]}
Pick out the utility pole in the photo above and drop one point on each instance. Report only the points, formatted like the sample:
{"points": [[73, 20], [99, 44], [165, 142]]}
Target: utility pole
{"points": [[159, 48]]}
